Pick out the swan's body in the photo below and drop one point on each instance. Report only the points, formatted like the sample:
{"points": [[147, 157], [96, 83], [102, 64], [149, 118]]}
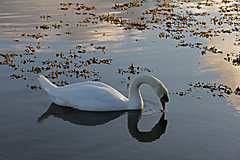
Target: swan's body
{"points": [[97, 96]]}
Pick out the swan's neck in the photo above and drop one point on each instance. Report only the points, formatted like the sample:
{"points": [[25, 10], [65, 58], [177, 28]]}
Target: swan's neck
{"points": [[135, 98]]}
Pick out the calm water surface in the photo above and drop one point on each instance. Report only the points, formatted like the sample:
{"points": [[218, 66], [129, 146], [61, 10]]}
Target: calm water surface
{"points": [[195, 126]]}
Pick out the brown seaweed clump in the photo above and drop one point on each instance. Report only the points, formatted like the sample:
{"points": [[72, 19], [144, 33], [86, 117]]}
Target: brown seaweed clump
{"points": [[131, 70], [72, 64], [217, 90]]}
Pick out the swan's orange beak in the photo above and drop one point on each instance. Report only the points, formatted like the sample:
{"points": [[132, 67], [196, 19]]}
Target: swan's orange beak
{"points": [[164, 99], [163, 103]]}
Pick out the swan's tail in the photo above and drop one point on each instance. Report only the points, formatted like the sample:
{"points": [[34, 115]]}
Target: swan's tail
{"points": [[45, 83]]}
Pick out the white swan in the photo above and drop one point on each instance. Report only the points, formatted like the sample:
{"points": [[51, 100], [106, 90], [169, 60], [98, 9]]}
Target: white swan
{"points": [[97, 96]]}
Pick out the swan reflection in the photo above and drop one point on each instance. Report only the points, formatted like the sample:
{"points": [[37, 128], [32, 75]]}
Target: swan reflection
{"points": [[77, 116], [150, 136], [87, 118]]}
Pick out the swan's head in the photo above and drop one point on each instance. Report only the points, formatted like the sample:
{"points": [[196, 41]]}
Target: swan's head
{"points": [[164, 99], [163, 95]]}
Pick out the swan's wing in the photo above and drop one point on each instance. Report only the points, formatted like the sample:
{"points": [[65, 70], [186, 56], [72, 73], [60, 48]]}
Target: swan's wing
{"points": [[92, 96]]}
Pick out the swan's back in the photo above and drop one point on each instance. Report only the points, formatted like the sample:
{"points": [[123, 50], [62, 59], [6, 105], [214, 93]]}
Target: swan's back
{"points": [[92, 96]]}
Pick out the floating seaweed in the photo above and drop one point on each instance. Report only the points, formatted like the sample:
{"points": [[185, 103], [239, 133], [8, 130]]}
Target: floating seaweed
{"points": [[217, 90]]}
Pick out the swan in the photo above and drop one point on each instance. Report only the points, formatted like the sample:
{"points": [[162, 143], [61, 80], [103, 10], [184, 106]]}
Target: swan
{"points": [[98, 96]]}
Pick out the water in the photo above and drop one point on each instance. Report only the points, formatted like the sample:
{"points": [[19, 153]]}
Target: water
{"points": [[192, 128]]}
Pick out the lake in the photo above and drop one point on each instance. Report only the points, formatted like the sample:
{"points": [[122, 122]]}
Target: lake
{"points": [[191, 46]]}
